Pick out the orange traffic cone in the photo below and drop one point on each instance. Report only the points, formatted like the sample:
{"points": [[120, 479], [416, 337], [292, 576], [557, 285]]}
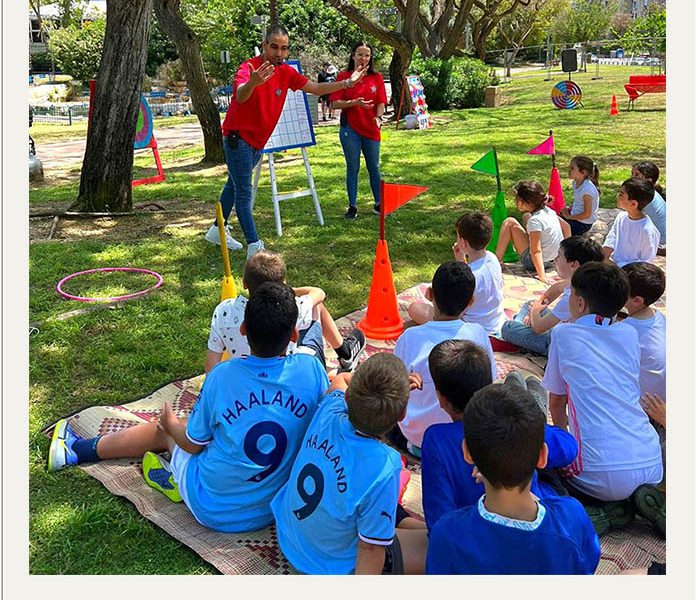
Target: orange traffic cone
{"points": [[382, 321], [613, 106]]}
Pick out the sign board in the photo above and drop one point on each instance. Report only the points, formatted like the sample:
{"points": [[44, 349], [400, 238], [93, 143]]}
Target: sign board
{"points": [[225, 57], [294, 128], [419, 106]]}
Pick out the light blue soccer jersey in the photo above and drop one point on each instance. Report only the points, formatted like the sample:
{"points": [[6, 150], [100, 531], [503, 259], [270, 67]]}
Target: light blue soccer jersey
{"points": [[344, 486], [251, 415]]}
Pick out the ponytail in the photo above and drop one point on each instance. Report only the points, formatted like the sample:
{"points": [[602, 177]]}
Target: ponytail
{"points": [[595, 173]]}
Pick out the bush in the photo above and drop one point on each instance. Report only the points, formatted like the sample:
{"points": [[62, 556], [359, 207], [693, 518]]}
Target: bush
{"points": [[452, 83], [171, 72], [78, 49]]}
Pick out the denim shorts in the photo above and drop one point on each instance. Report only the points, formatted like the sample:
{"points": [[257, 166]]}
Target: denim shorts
{"points": [[526, 261]]}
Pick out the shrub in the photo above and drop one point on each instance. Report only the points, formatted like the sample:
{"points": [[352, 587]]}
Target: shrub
{"points": [[78, 49], [171, 72], [457, 82]]}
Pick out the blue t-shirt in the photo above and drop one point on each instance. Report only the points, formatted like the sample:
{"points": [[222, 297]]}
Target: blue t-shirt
{"points": [[447, 479], [251, 415], [656, 211], [344, 486], [474, 541]]}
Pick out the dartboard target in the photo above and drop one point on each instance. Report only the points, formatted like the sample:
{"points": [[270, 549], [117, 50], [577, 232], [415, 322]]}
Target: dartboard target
{"points": [[566, 95], [144, 125]]}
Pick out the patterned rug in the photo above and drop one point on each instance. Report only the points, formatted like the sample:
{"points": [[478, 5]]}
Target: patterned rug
{"points": [[257, 553]]}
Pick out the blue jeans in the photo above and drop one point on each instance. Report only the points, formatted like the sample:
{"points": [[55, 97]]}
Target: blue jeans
{"points": [[238, 190], [352, 143], [516, 332], [312, 338]]}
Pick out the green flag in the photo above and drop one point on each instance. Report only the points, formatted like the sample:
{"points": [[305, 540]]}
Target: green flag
{"points": [[498, 215], [487, 164]]}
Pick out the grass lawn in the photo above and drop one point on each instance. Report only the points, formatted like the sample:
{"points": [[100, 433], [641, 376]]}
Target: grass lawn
{"points": [[113, 356]]}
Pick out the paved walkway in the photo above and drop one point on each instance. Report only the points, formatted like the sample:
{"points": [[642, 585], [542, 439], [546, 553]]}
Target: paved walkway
{"points": [[62, 155]]}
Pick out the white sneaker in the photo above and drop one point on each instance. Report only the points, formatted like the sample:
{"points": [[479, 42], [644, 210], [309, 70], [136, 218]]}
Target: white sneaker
{"points": [[254, 248], [212, 236]]}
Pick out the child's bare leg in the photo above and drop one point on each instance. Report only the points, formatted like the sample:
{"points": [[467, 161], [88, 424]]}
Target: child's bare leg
{"points": [[505, 236], [411, 523], [414, 547], [565, 228], [328, 326], [133, 442], [421, 312]]}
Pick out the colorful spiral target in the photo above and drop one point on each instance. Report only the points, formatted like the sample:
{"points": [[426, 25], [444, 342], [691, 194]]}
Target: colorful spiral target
{"points": [[566, 95], [144, 125]]}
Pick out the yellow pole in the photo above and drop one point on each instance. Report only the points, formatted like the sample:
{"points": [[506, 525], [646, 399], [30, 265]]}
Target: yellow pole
{"points": [[228, 286]]}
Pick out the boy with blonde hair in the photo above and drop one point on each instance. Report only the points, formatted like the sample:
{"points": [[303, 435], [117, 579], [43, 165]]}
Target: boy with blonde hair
{"points": [[338, 514]]}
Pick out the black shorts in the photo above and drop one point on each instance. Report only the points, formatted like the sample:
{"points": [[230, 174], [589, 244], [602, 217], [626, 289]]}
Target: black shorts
{"points": [[393, 559]]}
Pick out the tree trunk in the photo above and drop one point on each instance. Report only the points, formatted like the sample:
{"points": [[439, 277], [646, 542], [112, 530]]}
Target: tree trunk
{"points": [[105, 179], [274, 13], [398, 69], [187, 44]]}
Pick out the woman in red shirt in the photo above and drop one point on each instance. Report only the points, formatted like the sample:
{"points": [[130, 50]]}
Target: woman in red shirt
{"points": [[362, 109]]}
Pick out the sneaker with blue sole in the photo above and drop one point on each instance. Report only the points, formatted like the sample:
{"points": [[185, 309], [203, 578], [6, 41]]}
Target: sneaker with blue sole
{"points": [[61, 454], [157, 474]]}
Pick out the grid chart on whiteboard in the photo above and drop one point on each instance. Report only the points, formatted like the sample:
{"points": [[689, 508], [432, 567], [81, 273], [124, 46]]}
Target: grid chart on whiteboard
{"points": [[294, 128]]}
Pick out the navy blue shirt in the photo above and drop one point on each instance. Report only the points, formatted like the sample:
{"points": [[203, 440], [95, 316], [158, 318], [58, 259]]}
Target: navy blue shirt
{"points": [[447, 479], [474, 541]]}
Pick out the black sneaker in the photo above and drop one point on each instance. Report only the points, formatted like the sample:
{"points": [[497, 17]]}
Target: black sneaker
{"points": [[610, 515], [351, 213], [376, 209], [356, 344], [650, 503]]}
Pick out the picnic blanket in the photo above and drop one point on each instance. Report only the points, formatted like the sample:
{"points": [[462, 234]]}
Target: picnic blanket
{"points": [[257, 552]]}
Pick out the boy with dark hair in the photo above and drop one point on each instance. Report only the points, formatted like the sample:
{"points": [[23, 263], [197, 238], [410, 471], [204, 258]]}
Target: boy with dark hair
{"points": [[338, 513], [530, 328], [451, 292], [510, 531], [593, 371], [314, 322], [474, 230], [647, 285], [459, 369], [236, 450], [632, 236]]}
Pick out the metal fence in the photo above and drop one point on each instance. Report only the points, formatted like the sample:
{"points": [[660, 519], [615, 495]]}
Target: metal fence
{"points": [[64, 114]]}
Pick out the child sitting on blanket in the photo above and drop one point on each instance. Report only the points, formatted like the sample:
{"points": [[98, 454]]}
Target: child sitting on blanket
{"points": [[237, 448], [509, 530], [451, 292], [632, 236], [338, 514], [459, 369], [592, 376], [314, 322], [474, 231], [530, 328], [647, 285], [538, 241]]}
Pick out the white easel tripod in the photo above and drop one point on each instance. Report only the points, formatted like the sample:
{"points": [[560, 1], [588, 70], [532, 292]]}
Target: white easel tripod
{"points": [[277, 197]]}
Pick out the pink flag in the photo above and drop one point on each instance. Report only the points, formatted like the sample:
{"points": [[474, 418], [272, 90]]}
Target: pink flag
{"points": [[546, 147]]}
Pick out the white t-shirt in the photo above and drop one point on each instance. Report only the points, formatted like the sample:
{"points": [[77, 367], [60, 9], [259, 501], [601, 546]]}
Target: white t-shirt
{"points": [[561, 308], [596, 365], [487, 309], [652, 345], [546, 222], [413, 348], [587, 188], [632, 240], [225, 330]]}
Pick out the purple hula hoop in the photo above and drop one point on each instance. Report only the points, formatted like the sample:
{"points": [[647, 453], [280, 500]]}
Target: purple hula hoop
{"points": [[158, 276]]}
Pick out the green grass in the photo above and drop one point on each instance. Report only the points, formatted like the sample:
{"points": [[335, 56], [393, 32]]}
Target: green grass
{"points": [[113, 356]]}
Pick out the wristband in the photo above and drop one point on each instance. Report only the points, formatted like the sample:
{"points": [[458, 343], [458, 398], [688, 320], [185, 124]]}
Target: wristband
{"points": [[346, 83]]}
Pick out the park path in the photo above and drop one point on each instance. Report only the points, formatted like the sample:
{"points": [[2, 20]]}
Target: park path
{"points": [[61, 155]]}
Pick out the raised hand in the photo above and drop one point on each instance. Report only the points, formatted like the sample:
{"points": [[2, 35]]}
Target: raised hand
{"points": [[358, 74], [262, 73], [415, 381]]}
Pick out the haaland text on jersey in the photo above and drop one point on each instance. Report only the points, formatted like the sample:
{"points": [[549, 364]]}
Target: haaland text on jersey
{"points": [[292, 404], [327, 449]]}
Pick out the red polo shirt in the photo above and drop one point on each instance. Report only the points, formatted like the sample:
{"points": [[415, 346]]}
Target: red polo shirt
{"points": [[371, 87], [255, 119]]}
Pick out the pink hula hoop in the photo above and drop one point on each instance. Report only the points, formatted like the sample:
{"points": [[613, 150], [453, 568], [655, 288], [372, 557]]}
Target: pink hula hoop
{"points": [[158, 276]]}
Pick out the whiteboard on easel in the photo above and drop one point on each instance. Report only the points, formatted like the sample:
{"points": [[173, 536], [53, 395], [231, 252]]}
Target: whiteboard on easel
{"points": [[294, 128]]}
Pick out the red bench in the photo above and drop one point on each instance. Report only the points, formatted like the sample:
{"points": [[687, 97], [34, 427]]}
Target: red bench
{"points": [[644, 84]]}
